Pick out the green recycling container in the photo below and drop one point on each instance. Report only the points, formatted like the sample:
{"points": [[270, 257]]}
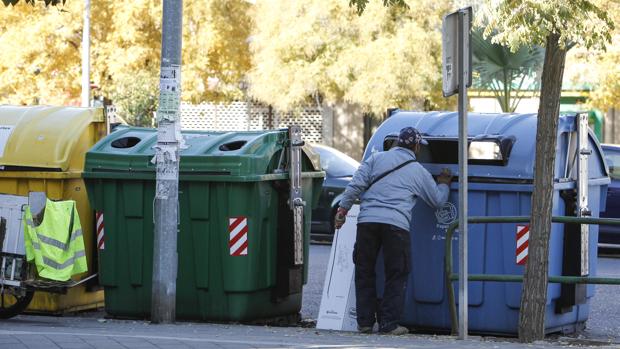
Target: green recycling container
{"points": [[235, 240]]}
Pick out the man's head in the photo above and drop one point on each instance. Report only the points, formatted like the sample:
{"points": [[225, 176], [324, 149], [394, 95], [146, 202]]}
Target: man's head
{"points": [[410, 138]]}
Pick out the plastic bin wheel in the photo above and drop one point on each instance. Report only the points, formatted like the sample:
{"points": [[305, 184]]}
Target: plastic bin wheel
{"points": [[12, 304]]}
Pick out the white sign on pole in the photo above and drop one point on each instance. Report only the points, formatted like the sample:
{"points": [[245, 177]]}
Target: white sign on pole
{"points": [[450, 51], [337, 310], [169, 93]]}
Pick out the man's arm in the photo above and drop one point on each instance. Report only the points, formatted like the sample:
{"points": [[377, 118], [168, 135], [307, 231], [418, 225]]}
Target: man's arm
{"points": [[359, 183], [432, 193]]}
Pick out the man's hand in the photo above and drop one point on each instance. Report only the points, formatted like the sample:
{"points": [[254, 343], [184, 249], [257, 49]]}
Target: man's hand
{"points": [[341, 217], [445, 177]]}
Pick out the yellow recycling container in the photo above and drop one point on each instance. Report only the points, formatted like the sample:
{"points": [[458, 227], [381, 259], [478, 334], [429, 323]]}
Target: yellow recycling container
{"points": [[42, 149]]}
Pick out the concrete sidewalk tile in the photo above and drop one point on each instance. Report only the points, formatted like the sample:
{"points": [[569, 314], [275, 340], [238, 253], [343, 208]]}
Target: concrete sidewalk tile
{"points": [[243, 345], [103, 342], [158, 342], [64, 338], [134, 342], [38, 342], [129, 339], [179, 345], [46, 341], [139, 345], [209, 345], [108, 345], [82, 345], [8, 339], [31, 345], [12, 346], [203, 344], [122, 339]]}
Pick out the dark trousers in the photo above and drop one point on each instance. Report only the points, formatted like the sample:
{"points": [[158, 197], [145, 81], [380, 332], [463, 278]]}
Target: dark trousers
{"points": [[371, 237]]}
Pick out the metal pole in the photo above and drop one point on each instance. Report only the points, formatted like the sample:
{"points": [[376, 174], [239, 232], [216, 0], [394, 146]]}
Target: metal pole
{"points": [[86, 56], [165, 259], [583, 209], [463, 149]]}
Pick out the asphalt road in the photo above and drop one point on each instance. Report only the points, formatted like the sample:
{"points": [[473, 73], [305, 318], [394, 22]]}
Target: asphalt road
{"points": [[319, 256], [603, 323]]}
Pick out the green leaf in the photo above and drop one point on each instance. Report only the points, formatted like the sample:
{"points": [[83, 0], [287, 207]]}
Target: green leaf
{"points": [[503, 71], [361, 4]]}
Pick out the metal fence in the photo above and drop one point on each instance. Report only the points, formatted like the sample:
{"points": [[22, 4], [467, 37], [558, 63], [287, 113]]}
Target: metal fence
{"points": [[249, 116], [562, 279]]}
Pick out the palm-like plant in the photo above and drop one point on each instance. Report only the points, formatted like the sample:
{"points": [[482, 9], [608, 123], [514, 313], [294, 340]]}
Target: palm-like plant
{"points": [[498, 69]]}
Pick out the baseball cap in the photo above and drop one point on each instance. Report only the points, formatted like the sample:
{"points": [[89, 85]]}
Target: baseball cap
{"points": [[409, 136]]}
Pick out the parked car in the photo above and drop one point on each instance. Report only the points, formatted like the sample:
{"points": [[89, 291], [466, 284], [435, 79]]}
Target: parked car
{"points": [[611, 234], [339, 169]]}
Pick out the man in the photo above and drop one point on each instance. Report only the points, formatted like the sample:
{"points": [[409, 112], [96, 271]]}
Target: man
{"points": [[389, 185]]}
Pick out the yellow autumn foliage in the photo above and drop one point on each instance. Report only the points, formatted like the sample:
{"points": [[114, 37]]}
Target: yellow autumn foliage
{"points": [[583, 23], [40, 49], [386, 57], [605, 66]]}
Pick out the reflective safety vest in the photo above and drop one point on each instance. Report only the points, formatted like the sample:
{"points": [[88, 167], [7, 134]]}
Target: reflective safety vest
{"points": [[56, 245]]}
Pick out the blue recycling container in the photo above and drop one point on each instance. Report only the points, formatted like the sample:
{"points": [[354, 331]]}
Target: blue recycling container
{"points": [[501, 172]]}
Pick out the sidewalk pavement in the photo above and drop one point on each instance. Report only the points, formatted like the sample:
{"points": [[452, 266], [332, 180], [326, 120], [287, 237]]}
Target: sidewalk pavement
{"points": [[44, 332]]}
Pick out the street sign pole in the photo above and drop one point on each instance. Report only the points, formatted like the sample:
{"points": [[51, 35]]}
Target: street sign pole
{"points": [[457, 52], [169, 139], [463, 44]]}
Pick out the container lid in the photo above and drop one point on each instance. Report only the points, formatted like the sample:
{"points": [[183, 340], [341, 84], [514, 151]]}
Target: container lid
{"points": [[42, 136], [213, 154], [501, 146]]}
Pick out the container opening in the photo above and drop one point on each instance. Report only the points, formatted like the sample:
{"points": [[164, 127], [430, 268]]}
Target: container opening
{"points": [[613, 162], [482, 150], [125, 142], [390, 141], [232, 145], [485, 150], [29, 169]]}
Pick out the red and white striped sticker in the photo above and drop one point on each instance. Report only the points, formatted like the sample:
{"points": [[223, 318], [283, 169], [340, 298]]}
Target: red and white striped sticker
{"points": [[523, 238], [238, 236], [100, 230]]}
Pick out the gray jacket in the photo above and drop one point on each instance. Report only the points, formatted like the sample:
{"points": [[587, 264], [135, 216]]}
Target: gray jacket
{"points": [[391, 200]]}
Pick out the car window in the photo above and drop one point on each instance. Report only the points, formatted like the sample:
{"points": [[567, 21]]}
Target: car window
{"points": [[335, 163], [612, 157]]}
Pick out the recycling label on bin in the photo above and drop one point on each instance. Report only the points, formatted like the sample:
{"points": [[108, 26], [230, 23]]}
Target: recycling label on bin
{"points": [[445, 215], [5, 134]]}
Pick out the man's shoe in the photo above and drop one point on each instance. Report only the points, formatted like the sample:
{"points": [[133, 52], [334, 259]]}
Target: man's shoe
{"points": [[398, 331], [365, 329]]}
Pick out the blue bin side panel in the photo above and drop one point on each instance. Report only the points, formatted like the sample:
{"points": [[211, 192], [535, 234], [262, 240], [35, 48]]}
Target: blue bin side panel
{"points": [[494, 306]]}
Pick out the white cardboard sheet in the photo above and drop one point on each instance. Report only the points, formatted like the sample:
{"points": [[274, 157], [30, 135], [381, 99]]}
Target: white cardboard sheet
{"points": [[337, 310]]}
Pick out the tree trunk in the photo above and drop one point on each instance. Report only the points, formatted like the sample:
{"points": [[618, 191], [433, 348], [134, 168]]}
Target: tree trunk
{"points": [[534, 294]]}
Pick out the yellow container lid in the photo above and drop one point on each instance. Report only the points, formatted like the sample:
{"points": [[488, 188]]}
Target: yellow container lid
{"points": [[43, 136]]}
